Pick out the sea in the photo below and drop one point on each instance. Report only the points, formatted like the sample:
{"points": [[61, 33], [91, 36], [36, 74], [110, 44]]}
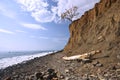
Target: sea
{"points": [[14, 57]]}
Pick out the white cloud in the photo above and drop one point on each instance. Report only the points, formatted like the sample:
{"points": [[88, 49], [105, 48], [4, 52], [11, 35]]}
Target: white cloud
{"points": [[83, 5], [38, 9], [43, 37], [39, 37], [33, 5], [43, 16], [20, 31], [42, 11], [33, 26], [4, 10], [6, 31]]}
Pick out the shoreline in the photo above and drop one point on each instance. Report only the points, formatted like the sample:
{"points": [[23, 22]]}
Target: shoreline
{"points": [[12, 68], [53, 63], [11, 61]]}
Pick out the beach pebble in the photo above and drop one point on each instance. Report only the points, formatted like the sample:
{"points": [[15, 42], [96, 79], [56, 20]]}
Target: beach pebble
{"points": [[67, 78], [8, 78], [54, 78], [32, 77], [67, 71], [97, 64], [50, 71], [50, 75], [118, 56], [27, 78], [62, 76], [16, 76], [38, 75]]}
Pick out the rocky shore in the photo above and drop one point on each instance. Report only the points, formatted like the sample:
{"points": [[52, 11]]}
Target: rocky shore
{"points": [[53, 67], [97, 29]]}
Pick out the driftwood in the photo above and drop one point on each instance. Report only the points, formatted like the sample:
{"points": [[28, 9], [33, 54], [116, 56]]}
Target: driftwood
{"points": [[83, 57]]}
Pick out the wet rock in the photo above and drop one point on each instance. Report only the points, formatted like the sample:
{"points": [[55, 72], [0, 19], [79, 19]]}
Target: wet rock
{"points": [[67, 78], [54, 78], [86, 77], [93, 77], [67, 70], [51, 75], [38, 75], [16, 76], [118, 56], [21, 76], [62, 76], [118, 72], [50, 71], [8, 78], [114, 68], [45, 77], [27, 78], [97, 64], [32, 77]]}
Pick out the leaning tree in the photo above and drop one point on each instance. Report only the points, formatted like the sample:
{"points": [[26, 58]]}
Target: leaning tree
{"points": [[70, 14]]}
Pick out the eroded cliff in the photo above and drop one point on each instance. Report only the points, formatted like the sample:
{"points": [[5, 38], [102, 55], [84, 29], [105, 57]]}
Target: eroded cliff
{"points": [[97, 29]]}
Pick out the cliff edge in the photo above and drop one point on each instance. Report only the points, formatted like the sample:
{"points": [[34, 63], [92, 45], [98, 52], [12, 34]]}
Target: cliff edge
{"points": [[97, 29]]}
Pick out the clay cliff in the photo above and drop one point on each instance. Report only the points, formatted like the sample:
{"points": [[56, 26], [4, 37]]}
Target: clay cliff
{"points": [[97, 29]]}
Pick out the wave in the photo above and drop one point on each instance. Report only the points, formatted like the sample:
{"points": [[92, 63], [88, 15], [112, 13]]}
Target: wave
{"points": [[5, 62]]}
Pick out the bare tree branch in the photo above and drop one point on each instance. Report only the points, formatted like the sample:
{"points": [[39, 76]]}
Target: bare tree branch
{"points": [[70, 13]]}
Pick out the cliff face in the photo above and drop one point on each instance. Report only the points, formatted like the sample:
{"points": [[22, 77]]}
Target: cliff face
{"points": [[98, 28]]}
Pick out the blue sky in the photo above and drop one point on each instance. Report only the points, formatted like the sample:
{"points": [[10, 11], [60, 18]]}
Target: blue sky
{"points": [[36, 24]]}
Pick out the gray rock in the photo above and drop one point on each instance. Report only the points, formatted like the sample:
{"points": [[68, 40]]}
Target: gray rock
{"points": [[62, 76], [118, 56], [8, 78], [16, 76], [67, 71], [67, 78], [97, 64], [27, 78], [32, 77], [38, 75], [50, 71]]}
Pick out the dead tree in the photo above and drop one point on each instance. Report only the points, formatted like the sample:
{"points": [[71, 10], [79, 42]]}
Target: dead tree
{"points": [[70, 13]]}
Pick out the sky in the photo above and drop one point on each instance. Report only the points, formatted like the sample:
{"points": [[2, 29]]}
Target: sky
{"points": [[36, 24]]}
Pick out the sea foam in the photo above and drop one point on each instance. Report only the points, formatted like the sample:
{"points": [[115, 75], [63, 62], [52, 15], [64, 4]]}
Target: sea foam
{"points": [[5, 62]]}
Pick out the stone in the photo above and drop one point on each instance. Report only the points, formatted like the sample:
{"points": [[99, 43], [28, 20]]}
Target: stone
{"points": [[118, 56], [114, 68], [38, 75], [67, 71], [16, 76], [62, 76], [51, 75], [32, 77], [67, 78], [8, 78], [97, 64], [118, 71], [54, 78], [50, 71], [27, 78]]}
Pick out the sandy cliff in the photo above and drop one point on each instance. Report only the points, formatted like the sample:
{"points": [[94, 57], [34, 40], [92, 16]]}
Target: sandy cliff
{"points": [[97, 29]]}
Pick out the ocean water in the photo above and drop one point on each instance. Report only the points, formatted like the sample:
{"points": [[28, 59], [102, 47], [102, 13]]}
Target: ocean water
{"points": [[11, 58]]}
